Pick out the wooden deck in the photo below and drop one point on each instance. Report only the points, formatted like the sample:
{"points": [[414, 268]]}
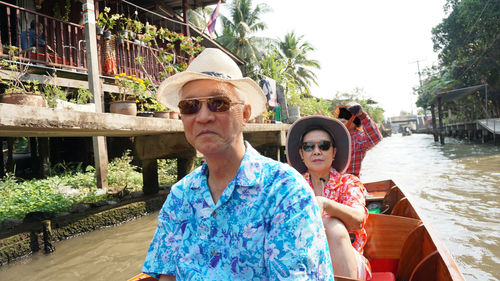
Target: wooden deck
{"points": [[29, 121]]}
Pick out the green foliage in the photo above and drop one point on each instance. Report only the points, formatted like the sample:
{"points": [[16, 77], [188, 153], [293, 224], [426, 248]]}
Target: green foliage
{"points": [[313, 106], [52, 92], [435, 81], [83, 96], [167, 171], [122, 173], [239, 28], [375, 112], [295, 51], [20, 197], [468, 42], [16, 71]]}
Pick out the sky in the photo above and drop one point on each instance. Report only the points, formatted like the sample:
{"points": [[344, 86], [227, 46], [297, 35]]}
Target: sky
{"points": [[366, 44]]}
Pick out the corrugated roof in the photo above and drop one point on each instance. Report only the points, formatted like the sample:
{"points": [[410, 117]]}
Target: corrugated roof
{"points": [[456, 94]]}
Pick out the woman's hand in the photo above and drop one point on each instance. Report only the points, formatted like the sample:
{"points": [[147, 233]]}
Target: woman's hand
{"points": [[321, 202]]}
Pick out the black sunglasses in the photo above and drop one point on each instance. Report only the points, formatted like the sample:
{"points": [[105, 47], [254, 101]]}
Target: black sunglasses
{"points": [[323, 145], [214, 104]]}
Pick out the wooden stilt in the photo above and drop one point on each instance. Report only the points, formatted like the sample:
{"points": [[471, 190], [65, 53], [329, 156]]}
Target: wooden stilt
{"points": [[150, 176], [434, 129], [44, 153], [10, 155], [440, 113]]}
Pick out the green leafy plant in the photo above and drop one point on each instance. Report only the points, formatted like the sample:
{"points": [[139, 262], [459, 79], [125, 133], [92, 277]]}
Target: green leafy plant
{"points": [[191, 45], [137, 26], [83, 96], [129, 87], [15, 71], [52, 92], [106, 20]]}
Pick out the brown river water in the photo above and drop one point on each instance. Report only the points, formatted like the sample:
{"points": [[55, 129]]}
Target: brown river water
{"points": [[456, 187]]}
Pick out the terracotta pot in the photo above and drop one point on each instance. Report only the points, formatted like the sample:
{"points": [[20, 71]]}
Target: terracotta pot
{"points": [[161, 114], [24, 99], [259, 119], [123, 107]]}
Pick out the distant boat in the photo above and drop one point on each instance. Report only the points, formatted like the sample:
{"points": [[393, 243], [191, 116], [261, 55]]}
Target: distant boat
{"points": [[406, 131], [400, 246]]}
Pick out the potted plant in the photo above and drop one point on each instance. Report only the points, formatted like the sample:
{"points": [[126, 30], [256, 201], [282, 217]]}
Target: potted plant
{"points": [[136, 28], [129, 89], [107, 22], [159, 109], [17, 91]]}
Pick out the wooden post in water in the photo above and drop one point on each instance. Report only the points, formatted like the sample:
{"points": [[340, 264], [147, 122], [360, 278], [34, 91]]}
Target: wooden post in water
{"points": [[440, 113], [434, 129], [150, 176], [99, 143], [47, 237]]}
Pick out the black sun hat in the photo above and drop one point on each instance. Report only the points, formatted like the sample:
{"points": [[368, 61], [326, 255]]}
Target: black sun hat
{"points": [[333, 126]]}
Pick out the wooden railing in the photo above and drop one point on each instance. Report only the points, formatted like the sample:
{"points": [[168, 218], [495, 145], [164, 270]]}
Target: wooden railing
{"points": [[64, 41], [65, 45]]}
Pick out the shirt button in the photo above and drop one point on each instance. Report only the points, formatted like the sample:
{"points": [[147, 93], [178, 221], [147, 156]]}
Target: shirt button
{"points": [[214, 214], [214, 253]]}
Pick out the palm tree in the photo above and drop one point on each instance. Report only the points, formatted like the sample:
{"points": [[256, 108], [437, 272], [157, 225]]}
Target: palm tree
{"points": [[199, 17], [299, 66], [238, 30]]}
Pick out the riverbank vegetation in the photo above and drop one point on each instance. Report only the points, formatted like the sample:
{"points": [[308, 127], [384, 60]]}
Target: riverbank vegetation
{"points": [[72, 184], [468, 44]]}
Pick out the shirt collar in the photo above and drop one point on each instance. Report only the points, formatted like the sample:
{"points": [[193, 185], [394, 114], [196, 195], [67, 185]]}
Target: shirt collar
{"points": [[247, 174]]}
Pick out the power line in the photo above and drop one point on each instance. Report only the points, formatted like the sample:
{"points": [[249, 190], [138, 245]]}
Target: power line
{"points": [[477, 19]]}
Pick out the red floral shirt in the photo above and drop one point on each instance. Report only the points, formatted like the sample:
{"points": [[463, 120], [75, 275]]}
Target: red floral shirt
{"points": [[348, 190]]}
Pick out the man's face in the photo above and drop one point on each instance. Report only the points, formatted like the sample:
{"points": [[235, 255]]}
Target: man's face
{"points": [[213, 132]]}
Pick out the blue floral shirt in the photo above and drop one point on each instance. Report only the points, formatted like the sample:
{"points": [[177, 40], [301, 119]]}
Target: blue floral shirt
{"points": [[265, 226]]}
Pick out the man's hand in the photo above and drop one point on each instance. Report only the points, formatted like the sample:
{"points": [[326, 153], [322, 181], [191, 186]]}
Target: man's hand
{"points": [[357, 110]]}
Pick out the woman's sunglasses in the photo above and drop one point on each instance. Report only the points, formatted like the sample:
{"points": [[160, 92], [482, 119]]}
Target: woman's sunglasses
{"points": [[214, 104], [323, 145]]}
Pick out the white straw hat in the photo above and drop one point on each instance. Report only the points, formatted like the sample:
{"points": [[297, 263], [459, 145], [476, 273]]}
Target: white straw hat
{"points": [[213, 64]]}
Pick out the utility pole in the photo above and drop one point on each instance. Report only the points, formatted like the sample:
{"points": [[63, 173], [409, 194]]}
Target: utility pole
{"points": [[420, 81]]}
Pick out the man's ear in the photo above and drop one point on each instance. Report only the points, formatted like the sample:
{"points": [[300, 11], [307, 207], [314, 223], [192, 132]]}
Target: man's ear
{"points": [[247, 112]]}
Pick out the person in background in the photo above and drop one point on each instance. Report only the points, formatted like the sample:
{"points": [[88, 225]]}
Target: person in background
{"points": [[240, 216], [364, 133], [319, 148], [34, 34]]}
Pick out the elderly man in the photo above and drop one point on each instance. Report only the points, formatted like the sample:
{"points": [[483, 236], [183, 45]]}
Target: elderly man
{"points": [[240, 216]]}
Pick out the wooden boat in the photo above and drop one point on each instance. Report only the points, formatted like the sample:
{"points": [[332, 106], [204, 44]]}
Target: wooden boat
{"points": [[400, 246]]}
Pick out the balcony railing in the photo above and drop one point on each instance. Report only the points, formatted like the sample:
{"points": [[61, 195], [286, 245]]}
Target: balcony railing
{"points": [[61, 44]]}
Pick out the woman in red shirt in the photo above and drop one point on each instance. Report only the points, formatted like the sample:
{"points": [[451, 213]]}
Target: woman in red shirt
{"points": [[319, 148]]}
